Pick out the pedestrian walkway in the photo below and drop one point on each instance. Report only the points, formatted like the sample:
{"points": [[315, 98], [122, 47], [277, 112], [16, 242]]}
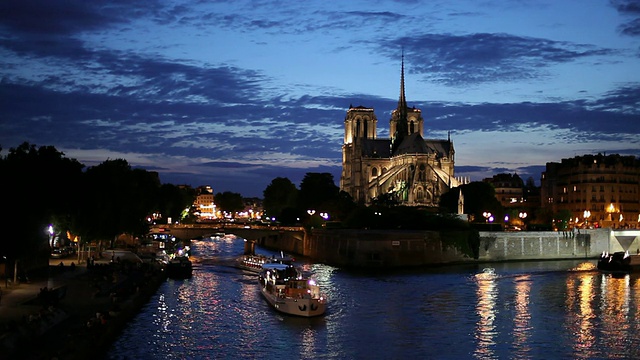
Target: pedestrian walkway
{"points": [[16, 300], [19, 305]]}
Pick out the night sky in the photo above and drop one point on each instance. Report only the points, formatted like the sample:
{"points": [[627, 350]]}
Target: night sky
{"points": [[235, 93]]}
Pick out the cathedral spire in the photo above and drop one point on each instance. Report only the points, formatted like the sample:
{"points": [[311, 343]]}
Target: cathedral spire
{"points": [[400, 115], [402, 102]]}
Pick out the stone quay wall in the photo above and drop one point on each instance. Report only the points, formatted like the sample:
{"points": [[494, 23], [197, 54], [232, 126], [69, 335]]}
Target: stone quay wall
{"points": [[391, 248], [379, 248], [543, 245], [370, 248]]}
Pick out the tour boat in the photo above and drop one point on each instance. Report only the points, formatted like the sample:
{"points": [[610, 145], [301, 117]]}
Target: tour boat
{"points": [[289, 292], [618, 262], [253, 262]]}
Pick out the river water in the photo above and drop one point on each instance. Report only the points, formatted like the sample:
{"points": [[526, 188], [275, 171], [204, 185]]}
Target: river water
{"points": [[526, 310]]}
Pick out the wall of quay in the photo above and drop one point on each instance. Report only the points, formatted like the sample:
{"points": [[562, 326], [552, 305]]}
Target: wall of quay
{"points": [[543, 245], [393, 248], [371, 248]]}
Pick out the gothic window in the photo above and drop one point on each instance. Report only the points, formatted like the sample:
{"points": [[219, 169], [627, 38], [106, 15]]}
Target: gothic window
{"points": [[412, 127], [358, 128], [419, 194], [374, 172], [384, 170]]}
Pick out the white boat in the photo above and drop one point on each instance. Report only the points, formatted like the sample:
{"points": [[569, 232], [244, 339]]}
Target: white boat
{"points": [[253, 262], [289, 292]]}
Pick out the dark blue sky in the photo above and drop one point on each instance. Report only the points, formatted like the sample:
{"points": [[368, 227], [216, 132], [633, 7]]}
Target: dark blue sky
{"points": [[235, 93]]}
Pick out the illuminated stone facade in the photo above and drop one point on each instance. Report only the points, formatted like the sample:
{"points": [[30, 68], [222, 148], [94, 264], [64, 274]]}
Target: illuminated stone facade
{"points": [[405, 168], [598, 190]]}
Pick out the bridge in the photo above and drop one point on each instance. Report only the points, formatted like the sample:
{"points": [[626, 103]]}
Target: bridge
{"points": [[261, 234]]}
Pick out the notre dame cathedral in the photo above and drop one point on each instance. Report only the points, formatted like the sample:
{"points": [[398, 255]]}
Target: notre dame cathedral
{"points": [[406, 169]]}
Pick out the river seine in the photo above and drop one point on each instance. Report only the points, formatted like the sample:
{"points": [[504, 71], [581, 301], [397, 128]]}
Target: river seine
{"points": [[525, 310]]}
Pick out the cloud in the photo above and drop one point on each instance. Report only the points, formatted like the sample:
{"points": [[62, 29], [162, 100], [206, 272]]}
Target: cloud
{"points": [[630, 9], [459, 60]]}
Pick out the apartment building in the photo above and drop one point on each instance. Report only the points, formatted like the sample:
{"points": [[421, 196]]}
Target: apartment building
{"points": [[598, 190]]}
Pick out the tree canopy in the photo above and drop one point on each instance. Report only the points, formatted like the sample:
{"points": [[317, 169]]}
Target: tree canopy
{"points": [[36, 186], [41, 187], [229, 202], [280, 199], [479, 197], [318, 191]]}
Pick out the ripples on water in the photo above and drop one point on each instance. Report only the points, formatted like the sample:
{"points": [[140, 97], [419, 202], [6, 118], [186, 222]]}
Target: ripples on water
{"points": [[533, 310]]}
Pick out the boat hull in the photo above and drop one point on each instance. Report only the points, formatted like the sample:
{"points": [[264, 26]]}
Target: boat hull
{"points": [[616, 263], [294, 306]]}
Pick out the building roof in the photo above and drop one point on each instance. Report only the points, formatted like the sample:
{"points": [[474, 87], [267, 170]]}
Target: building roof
{"points": [[412, 144], [440, 147]]}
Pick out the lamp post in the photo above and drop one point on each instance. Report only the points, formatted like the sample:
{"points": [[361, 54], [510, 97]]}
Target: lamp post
{"points": [[522, 215], [586, 215]]}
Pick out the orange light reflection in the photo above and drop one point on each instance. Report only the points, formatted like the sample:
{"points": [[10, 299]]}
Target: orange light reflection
{"points": [[486, 309]]}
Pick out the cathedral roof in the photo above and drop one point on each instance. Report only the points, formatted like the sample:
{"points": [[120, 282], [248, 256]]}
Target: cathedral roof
{"points": [[440, 147], [412, 144]]}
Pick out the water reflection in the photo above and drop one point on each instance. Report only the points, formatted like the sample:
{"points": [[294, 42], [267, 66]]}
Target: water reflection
{"points": [[521, 321], [581, 320], [487, 292], [614, 309]]}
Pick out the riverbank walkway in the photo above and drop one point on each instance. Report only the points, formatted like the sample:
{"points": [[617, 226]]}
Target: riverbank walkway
{"points": [[73, 312]]}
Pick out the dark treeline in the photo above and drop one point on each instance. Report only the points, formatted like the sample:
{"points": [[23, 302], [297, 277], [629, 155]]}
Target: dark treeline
{"points": [[42, 187]]}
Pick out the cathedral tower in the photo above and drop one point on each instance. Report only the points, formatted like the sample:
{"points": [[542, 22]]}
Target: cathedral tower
{"points": [[404, 120], [360, 123]]}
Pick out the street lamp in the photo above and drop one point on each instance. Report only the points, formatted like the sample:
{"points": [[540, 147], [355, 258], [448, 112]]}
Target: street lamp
{"points": [[311, 212], [487, 216], [586, 215]]}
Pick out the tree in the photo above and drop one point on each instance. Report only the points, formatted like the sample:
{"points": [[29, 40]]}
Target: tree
{"points": [[116, 200], [562, 219], [479, 197], [317, 191], [37, 188], [229, 202], [173, 200], [279, 198]]}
